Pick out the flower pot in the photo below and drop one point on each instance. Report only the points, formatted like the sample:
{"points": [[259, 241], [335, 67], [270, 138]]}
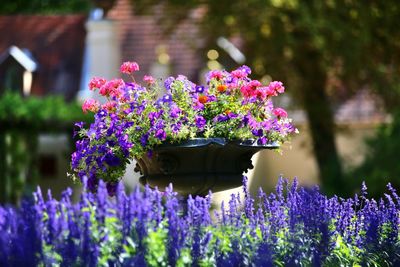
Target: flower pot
{"points": [[199, 165]]}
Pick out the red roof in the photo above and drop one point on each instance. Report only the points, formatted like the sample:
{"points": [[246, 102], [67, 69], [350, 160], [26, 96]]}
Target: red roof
{"points": [[55, 42], [141, 35]]}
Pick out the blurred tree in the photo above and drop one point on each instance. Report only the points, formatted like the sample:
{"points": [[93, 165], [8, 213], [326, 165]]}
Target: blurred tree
{"points": [[381, 165], [323, 51], [44, 7]]}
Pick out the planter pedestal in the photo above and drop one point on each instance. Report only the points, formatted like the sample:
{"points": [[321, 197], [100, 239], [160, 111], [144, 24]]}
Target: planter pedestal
{"points": [[199, 165]]}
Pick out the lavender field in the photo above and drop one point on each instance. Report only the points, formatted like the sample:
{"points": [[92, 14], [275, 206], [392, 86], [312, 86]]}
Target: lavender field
{"points": [[293, 226]]}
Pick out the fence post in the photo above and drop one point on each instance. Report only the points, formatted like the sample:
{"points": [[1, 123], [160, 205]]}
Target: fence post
{"points": [[32, 143]]}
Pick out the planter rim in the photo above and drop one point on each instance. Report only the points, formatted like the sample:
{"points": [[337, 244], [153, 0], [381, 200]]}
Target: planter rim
{"points": [[198, 165], [201, 142]]}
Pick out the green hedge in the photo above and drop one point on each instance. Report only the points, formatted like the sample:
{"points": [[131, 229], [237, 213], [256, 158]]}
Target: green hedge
{"points": [[21, 121]]}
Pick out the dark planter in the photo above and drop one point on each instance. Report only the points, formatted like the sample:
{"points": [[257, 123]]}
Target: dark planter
{"points": [[199, 165]]}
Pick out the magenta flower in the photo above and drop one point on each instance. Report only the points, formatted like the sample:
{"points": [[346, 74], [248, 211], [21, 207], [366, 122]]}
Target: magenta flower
{"points": [[215, 74], [269, 91], [277, 87], [129, 67], [109, 106], [239, 73], [96, 83], [112, 88], [252, 90], [90, 105], [280, 113], [149, 79]]}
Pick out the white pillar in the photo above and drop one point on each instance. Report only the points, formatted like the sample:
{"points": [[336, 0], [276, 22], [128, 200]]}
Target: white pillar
{"points": [[102, 55]]}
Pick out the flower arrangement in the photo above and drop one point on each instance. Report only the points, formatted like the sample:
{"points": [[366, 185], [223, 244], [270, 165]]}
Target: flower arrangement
{"points": [[138, 117]]}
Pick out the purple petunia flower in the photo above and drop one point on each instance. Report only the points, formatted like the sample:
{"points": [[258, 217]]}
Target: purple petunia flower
{"points": [[124, 142], [245, 69], [252, 122], [257, 132], [111, 159], [153, 116], [75, 159], [167, 98], [102, 113], [159, 103], [232, 115], [176, 127], [211, 98], [79, 124], [92, 182], [168, 82], [175, 111], [200, 122], [221, 118], [197, 105], [144, 139], [199, 89], [262, 141], [160, 134]]}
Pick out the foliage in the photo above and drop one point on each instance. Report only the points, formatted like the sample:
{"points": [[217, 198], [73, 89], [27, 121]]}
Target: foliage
{"points": [[291, 227], [50, 112], [21, 121], [323, 50], [44, 7], [136, 118], [381, 163]]}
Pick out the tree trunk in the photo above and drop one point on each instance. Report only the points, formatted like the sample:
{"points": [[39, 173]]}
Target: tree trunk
{"points": [[321, 120]]}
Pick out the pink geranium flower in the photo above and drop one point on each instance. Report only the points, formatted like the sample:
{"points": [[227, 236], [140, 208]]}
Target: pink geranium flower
{"points": [[253, 89], [90, 105], [96, 83], [216, 74], [149, 79], [109, 106], [129, 67], [239, 73], [270, 91], [112, 88], [280, 113], [277, 87]]}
